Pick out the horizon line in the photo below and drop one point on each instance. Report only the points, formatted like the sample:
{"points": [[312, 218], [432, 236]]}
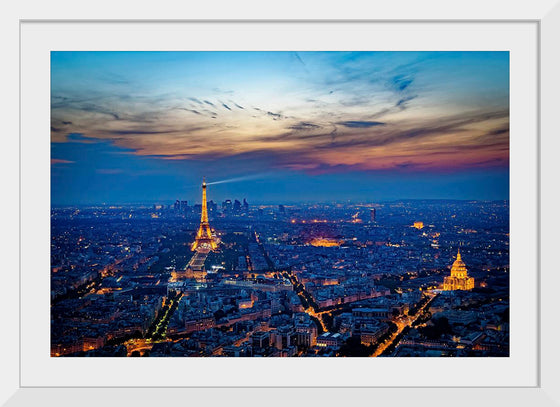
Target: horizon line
{"points": [[349, 202]]}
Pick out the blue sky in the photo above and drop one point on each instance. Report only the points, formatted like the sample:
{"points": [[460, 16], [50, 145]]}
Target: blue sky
{"points": [[294, 126]]}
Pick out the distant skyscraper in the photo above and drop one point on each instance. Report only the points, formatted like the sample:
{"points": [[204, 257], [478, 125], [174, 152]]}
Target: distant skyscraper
{"points": [[372, 215], [184, 206], [212, 206], [281, 209], [237, 206], [245, 206], [227, 206]]}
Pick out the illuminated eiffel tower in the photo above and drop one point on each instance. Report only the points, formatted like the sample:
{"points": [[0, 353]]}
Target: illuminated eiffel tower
{"points": [[204, 238]]}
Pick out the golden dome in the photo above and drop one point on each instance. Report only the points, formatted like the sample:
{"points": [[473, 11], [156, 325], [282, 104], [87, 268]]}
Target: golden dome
{"points": [[459, 269], [459, 279]]}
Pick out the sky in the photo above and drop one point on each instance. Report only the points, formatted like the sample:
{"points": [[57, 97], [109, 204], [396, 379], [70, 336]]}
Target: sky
{"points": [[282, 127]]}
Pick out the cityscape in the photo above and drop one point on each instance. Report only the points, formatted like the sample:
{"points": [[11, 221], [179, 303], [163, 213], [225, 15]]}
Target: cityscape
{"points": [[211, 216]]}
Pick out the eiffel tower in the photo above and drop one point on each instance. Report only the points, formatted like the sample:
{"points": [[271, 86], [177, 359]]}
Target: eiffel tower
{"points": [[204, 239]]}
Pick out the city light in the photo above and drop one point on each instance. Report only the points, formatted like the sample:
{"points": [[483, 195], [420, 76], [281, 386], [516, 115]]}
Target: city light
{"points": [[356, 204]]}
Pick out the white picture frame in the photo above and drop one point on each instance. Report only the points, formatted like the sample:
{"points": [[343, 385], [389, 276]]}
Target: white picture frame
{"points": [[545, 16]]}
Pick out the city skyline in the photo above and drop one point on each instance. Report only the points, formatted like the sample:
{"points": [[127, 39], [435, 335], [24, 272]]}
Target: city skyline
{"points": [[237, 248], [132, 127], [422, 279]]}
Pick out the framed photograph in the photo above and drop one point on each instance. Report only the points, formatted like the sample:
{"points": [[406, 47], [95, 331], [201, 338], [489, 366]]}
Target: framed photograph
{"points": [[268, 207]]}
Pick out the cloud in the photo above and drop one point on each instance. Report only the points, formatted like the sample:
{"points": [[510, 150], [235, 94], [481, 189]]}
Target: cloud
{"points": [[60, 161], [360, 124], [304, 126], [302, 64], [401, 82], [498, 132], [275, 116], [92, 108], [406, 132], [448, 141], [402, 102], [59, 126], [192, 111], [80, 138], [135, 131], [299, 58], [352, 113]]}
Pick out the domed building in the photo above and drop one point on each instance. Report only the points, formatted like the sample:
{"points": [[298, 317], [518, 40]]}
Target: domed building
{"points": [[459, 279]]}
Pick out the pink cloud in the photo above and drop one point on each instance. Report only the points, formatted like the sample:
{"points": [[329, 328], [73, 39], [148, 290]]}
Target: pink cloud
{"points": [[59, 161]]}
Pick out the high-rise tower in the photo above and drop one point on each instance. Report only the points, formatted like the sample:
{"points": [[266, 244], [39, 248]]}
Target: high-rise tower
{"points": [[204, 238]]}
